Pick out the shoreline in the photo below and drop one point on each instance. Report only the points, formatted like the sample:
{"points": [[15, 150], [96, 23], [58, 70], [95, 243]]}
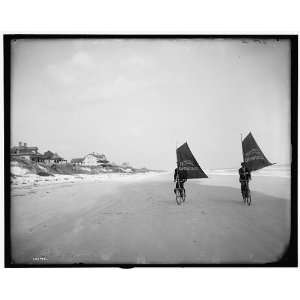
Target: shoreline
{"points": [[269, 185], [33, 180]]}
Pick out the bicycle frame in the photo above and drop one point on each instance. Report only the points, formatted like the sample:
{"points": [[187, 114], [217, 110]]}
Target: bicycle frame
{"points": [[246, 192], [181, 196]]}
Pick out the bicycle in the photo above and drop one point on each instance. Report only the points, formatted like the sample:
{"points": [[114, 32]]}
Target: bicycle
{"points": [[180, 193], [246, 193]]}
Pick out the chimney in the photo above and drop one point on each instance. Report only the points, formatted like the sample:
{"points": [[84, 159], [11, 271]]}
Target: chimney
{"points": [[20, 144], [25, 145]]}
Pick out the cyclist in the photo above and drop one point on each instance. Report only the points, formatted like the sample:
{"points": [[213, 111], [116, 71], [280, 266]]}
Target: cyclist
{"points": [[182, 178], [245, 176]]}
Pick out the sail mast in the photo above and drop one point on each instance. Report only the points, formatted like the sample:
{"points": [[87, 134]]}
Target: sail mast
{"points": [[176, 155], [242, 147], [177, 161]]}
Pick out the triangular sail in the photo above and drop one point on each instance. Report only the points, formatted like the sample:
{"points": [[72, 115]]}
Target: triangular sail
{"points": [[186, 161], [253, 156]]}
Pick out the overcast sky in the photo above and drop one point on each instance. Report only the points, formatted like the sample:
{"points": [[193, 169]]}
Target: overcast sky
{"points": [[134, 99]]}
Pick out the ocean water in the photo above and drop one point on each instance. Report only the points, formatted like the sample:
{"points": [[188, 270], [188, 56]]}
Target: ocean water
{"points": [[272, 171]]}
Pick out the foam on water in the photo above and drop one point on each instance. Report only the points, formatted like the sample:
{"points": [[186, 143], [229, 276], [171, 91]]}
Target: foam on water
{"points": [[272, 171]]}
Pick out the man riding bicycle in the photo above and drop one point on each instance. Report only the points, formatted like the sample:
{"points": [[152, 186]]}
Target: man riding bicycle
{"points": [[245, 176], [180, 176]]}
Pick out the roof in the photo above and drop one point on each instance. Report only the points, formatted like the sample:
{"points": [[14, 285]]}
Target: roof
{"points": [[48, 154], [103, 161], [97, 155], [37, 155], [22, 151], [21, 154], [76, 160], [56, 156], [24, 147]]}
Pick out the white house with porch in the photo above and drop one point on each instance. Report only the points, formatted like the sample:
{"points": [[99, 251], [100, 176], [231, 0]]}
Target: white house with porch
{"points": [[95, 159]]}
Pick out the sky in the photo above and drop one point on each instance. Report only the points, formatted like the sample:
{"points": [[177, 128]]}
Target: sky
{"points": [[135, 100]]}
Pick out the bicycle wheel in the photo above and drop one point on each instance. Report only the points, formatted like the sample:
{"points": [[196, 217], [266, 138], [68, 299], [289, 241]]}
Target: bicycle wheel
{"points": [[244, 196], [178, 196], [249, 198], [183, 195]]}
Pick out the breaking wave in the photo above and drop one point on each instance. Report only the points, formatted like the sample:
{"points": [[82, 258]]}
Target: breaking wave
{"points": [[272, 171]]}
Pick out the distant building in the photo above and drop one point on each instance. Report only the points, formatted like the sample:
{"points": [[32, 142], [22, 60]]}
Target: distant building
{"points": [[31, 153], [58, 159], [23, 151], [37, 157], [95, 159], [77, 161], [50, 157]]}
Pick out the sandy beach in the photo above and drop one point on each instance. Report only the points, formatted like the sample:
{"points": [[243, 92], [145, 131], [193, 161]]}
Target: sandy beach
{"points": [[136, 220]]}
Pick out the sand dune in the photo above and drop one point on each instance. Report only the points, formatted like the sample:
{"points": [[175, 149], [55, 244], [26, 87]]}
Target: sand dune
{"points": [[137, 221]]}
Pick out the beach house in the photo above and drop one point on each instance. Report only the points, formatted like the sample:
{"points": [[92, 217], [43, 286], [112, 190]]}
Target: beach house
{"points": [[31, 153], [77, 161], [50, 157], [95, 159], [23, 151]]}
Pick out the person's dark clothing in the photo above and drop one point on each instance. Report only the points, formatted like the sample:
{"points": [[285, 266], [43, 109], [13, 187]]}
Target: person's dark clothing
{"points": [[245, 176], [179, 184], [182, 174]]}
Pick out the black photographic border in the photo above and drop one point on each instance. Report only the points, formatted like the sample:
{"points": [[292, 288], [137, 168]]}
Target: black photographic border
{"points": [[290, 257]]}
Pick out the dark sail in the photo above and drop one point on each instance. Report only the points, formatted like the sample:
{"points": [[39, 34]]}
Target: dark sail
{"points": [[186, 161], [253, 156]]}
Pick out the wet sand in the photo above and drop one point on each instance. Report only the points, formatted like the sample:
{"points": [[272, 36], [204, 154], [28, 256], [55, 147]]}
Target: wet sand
{"points": [[138, 221]]}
